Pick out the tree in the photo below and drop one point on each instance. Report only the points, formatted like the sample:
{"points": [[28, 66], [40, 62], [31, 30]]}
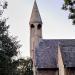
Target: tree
{"points": [[29, 66], [70, 6], [8, 45], [23, 66], [8, 49]]}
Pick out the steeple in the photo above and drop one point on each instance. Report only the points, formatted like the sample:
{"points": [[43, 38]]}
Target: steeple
{"points": [[35, 32], [35, 16]]}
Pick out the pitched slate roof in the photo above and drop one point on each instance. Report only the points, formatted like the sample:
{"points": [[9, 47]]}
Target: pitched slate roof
{"points": [[46, 53], [68, 52]]}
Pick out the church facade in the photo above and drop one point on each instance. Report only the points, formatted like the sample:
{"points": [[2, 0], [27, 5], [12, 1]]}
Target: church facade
{"points": [[50, 56]]}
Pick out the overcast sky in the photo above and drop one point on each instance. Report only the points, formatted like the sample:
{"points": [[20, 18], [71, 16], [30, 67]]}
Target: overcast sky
{"points": [[55, 21]]}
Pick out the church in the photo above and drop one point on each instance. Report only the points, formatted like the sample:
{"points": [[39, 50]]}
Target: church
{"points": [[50, 56]]}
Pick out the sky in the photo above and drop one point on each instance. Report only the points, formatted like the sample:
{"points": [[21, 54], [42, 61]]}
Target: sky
{"points": [[56, 24]]}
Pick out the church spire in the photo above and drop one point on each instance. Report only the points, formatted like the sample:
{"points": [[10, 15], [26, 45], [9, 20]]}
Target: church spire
{"points": [[35, 16]]}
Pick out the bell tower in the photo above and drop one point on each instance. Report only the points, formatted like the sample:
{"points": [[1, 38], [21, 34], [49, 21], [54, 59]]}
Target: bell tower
{"points": [[35, 30]]}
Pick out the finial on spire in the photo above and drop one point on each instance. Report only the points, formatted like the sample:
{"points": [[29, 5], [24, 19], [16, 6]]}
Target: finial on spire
{"points": [[35, 16], [35, 1]]}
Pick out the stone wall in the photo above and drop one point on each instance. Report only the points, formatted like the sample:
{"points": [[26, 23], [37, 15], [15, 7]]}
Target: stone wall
{"points": [[60, 63]]}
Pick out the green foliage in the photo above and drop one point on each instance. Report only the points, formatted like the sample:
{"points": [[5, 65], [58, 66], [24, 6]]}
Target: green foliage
{"points": [[3, 6], [70, 6], [67, 1], [8, 49], [8, 46], [23, 67]]}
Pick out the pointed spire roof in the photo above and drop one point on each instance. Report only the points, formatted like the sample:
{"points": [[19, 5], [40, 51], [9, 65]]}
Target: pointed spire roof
{"points": [[35, 16]]}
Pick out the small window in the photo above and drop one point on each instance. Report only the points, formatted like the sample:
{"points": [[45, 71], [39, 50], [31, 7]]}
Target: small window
{"points": [[32, 26], [39, 26]]}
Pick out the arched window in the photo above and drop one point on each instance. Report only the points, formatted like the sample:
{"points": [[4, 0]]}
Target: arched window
{"points": [[32, 26], [39, 26]]}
